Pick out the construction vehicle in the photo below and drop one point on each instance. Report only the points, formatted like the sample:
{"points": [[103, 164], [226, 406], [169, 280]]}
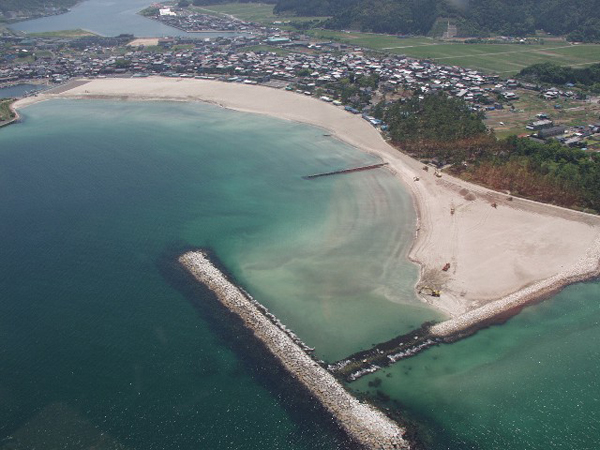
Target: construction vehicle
{"points": [[429, 291]]}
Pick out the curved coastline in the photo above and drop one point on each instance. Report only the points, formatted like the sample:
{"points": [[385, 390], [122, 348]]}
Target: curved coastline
{"points": [[500, 258]]}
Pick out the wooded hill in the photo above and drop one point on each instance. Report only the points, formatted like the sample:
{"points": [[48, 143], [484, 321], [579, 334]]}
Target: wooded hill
{"points": [[579, 19]]}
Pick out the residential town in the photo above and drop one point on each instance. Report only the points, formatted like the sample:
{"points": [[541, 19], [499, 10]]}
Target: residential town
{"points": [[192, 21], [347, 76]]}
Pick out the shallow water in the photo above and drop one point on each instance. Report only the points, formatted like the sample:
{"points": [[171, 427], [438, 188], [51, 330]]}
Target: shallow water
{"points": [[531, 383], [98, 349]]}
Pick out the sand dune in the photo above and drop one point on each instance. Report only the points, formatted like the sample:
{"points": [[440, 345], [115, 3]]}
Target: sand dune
{"points": [[494, 253]]}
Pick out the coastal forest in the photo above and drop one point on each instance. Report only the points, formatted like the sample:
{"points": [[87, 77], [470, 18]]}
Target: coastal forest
{"points": [[578, 19], [445, 131]]}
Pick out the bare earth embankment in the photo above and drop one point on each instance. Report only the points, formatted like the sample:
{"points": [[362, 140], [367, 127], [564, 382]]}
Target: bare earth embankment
{"points": [[500, 257]]}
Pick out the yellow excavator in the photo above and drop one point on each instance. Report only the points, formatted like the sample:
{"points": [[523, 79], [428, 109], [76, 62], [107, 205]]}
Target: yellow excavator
{"points": [[429, 291]]}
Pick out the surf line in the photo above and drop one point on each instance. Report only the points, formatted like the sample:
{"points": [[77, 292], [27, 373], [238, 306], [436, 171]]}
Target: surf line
{"points": [[363, 423]]}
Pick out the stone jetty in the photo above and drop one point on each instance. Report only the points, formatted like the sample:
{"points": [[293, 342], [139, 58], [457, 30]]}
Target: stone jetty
{"points": [[384, 354], [586, 268], [364, 424], [387, 353], [343, 171]]}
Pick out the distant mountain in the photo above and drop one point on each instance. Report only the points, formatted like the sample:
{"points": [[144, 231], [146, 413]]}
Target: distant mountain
{"points": [[580, 19]]}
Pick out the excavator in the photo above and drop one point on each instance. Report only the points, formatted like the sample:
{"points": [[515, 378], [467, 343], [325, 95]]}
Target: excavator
{"points": [[429, 291]]}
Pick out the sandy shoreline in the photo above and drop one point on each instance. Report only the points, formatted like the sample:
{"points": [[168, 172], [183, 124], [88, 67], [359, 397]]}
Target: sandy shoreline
{"points": [[499, 257]]}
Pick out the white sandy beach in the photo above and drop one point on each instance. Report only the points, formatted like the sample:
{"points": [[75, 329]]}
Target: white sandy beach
{"points": [[499, 257]]}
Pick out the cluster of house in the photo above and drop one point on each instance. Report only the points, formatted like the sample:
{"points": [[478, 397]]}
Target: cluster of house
{"points": [[316, 66], [192, 21], [577, 136], [298, 63]]}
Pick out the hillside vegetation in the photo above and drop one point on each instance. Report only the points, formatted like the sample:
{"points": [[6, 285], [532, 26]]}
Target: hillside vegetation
{"points": [[33, 6], [586, 78], [6, 112], [579, 19]]}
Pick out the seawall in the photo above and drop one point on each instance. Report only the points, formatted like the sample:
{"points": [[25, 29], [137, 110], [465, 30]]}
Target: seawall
{"points": [[363, 423]]}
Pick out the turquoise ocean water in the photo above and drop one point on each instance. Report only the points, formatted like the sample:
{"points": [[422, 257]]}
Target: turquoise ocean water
{"points": [[531, 383], [98, 349]]}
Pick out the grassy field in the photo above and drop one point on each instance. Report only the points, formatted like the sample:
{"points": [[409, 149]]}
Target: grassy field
{"points": [[63, 33], [503, 59], [253, 12], [5, 112], [374, 41]]}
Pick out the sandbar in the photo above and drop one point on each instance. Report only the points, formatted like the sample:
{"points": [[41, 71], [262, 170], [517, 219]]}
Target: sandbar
{"points": [[503, 251]]}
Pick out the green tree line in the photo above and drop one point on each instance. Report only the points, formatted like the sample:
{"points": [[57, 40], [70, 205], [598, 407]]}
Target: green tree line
{"points": [[446, 131], [586, 77], [579, 19]]}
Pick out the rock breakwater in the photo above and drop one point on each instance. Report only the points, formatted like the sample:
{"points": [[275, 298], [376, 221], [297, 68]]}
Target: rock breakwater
{"points": [[386, 353], [363, 423], [586, 268], [383, 354]]}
